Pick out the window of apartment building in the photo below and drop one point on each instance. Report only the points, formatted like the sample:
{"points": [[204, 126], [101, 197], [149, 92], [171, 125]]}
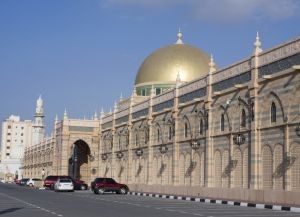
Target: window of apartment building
{"points": [[7, 147], [7, 154], [8, 127], [8, 140], [22, 134], [21, 141], [8, 134], [22, 128]]}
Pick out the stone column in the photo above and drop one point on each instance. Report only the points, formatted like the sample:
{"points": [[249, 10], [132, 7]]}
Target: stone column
{"points": [[255, 147], [176, 144]]}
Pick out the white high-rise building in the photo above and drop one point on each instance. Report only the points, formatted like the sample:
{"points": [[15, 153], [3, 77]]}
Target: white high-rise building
{"points": [[16, 135]]}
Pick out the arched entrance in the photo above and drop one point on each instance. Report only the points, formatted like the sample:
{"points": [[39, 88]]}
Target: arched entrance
{"points": [[79, 165]]}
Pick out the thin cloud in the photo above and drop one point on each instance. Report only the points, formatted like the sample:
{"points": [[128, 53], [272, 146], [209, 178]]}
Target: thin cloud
{"points": [[221, 10]]}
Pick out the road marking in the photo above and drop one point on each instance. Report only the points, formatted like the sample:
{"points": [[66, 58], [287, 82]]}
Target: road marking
{"points": [[30, 204]]}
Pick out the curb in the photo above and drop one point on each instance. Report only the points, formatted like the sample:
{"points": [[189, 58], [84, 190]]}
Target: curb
{"points": [[232, 203]]}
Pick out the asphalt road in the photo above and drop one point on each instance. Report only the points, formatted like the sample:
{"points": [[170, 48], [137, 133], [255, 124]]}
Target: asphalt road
{"points": [[16, 201]]}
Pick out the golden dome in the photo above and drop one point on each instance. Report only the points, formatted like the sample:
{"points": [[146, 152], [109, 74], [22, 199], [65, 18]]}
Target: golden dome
{"points": [[163, 65]]}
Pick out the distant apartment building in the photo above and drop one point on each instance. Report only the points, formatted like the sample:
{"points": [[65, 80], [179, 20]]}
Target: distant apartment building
{"points": [[16, 135]]}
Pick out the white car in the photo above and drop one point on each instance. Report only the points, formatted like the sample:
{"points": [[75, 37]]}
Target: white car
{"points": [[64, 185], [30, 182]]}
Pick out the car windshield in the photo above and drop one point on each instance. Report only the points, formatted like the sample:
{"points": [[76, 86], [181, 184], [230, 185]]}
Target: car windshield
{"points": [[99, 180], [65, 180], [51, 177]]}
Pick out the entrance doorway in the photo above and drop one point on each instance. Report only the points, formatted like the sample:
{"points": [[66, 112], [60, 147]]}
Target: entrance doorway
{"points": [[79, 165]]}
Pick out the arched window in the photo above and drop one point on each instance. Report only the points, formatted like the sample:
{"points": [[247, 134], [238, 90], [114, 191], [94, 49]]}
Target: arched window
{"points": [[273, 113], [201, 127], [243, 117], [185, 130], [170, 132], [222, 122], [158, 135]]}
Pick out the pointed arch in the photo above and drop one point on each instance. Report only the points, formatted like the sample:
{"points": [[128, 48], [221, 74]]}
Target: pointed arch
{"points": [[238, 170], [267, 164], [279, 102], [196, 171], [245, 168], [181, 169], [295, 170], [278, 170], [202, 169], [225, 163], [187, 169], [218, 169]]}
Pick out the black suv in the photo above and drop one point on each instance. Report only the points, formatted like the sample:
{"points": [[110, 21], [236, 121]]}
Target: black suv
{"points": [[101, 185]]}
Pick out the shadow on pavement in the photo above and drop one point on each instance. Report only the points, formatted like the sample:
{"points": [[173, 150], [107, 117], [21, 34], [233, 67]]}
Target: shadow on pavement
{"points": [[10, 210]]}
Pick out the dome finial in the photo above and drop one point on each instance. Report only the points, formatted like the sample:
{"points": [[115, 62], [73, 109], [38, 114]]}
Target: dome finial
{"points": [[178, 78], [179, 37]]}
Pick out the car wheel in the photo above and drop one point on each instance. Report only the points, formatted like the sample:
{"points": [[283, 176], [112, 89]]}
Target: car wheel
{"points": [[52, 187], [82, 187], [123, 191], [30, 185], [99, 190], [96, 191]]}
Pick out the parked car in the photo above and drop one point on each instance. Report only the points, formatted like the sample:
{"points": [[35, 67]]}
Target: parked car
{"points": [[64, 184], [17, 181], [78, 184], [30, 182], [23, 181], [102, 185]]}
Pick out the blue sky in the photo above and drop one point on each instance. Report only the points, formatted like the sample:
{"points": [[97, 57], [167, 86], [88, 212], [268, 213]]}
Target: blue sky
{"points": [[82, 54]]}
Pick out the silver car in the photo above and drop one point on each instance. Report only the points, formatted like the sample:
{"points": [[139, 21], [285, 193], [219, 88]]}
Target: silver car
{"points": [[64, 185]]}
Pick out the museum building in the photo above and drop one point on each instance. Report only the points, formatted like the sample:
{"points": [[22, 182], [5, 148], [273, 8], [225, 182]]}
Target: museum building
{"points": [[190, 128]]}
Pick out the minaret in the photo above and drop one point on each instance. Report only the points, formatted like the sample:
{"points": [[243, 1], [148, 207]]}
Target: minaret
{"points": [[38, 128]]}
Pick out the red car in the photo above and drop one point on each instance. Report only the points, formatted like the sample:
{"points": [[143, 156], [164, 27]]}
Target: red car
{"points": [[78, 184], [101, 185], [17, 181]]}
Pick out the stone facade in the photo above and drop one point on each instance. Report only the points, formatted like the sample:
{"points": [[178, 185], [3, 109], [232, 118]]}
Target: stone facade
{"points": [[38, 159], [232, 134]]}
